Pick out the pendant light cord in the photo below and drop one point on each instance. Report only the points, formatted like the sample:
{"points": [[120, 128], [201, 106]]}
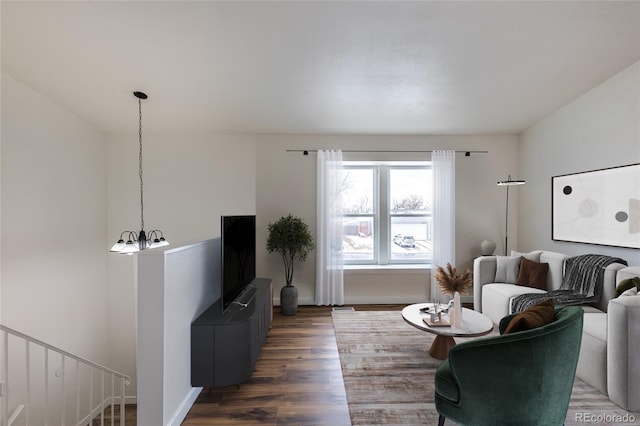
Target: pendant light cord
{"points": [[140, 164]]}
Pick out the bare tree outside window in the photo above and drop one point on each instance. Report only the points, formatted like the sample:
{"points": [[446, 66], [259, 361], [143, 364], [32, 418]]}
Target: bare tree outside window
{"points": [[402, 234], [413, 202]]}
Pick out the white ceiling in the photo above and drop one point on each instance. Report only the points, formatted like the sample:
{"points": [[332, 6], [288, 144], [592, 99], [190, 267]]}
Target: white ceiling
{"points": [[318, 67]]}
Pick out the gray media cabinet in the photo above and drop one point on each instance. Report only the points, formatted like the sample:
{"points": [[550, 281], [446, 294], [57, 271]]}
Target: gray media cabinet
{"points": [[225, 347]]}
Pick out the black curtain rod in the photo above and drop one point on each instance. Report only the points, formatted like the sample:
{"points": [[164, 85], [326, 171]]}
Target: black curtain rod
{"points": [[466, 153]]}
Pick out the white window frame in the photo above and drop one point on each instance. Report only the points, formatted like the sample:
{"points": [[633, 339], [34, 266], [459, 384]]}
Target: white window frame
{"points": [[382, 214]]}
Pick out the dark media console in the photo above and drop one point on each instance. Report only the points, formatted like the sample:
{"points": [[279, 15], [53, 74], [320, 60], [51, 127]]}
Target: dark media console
{"points": [[225, 346]]}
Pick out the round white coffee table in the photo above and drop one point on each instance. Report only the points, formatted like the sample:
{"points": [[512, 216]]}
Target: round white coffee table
{"points": [[473, 324]]}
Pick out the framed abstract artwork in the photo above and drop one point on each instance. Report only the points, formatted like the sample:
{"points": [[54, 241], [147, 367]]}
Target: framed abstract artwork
{"points": [[597, 207]]}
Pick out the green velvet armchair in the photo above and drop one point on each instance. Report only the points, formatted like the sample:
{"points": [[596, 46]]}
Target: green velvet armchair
{"points": [[522, 378]]}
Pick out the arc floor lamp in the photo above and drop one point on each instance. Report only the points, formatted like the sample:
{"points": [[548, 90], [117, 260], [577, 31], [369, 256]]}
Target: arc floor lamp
{"points": [[140, 241], [509, 182]]}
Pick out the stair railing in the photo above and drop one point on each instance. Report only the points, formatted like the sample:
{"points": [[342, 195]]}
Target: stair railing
{"points": [[75, 362]]}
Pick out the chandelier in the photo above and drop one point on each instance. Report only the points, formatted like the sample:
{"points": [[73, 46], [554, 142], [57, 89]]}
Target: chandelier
{"points": [[139, 241]]}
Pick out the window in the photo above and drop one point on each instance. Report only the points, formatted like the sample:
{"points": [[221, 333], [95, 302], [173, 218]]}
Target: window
{"points": [[387, 213]]}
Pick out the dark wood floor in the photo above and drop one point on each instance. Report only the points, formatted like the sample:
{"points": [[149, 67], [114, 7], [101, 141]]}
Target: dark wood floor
{"points": [[297, 381]]}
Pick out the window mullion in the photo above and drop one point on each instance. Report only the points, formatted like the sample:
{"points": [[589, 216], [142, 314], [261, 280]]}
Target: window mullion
{"points": [[384, 209]]}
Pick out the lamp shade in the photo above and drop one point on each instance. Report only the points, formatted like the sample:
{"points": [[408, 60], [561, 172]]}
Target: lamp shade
{"points": [[510, 182], [118, 246], [159, 242], [130, 247]]}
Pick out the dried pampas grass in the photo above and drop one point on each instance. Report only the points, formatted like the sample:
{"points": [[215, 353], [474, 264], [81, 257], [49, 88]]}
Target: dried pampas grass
{"points": [[450, 280]]}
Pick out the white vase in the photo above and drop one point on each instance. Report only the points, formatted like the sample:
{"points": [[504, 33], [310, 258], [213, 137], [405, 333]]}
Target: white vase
{"points": [[455, 312]]}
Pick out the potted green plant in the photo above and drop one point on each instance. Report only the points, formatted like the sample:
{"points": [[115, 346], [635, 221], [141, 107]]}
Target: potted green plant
{"points": [[290, 237]]}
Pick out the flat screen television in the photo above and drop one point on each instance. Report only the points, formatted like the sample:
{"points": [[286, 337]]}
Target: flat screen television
{"points": [[238, 256]]}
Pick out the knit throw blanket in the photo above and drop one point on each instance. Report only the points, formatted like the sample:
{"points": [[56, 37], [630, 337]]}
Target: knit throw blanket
{"points": [[582, 283]]}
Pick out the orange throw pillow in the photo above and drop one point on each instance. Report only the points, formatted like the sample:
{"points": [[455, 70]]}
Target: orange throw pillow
{"points": [[532, 274], [536, 316]]}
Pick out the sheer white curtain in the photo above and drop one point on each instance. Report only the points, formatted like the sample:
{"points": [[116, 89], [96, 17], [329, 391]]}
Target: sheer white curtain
{"points": [[329, 276], [443, 165]]}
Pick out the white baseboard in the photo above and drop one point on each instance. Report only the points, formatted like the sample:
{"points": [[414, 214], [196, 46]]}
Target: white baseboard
{"points": [[379, 300], [184, 408], [366, 300], [130, 399], [385, 300]]}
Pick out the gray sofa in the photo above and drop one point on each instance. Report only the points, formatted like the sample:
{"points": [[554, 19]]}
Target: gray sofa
{"points": [[623, 345], [611, 331]]}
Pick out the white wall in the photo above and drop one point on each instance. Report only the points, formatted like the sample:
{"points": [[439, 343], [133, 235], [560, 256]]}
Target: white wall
{"points": [[54, 222], [190, 180], [286, 183], [600, 129]]}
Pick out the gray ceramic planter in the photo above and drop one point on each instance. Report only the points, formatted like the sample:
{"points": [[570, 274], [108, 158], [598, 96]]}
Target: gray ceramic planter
{"points": [[289, 300]]}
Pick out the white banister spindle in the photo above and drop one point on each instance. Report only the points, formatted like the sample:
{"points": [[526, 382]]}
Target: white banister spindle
{"points": [[4, 374], [46, 387], [63, 416], [28, 378], [90, 393], [113, 399], [102, 398], [77, 391], [122, 384]]}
